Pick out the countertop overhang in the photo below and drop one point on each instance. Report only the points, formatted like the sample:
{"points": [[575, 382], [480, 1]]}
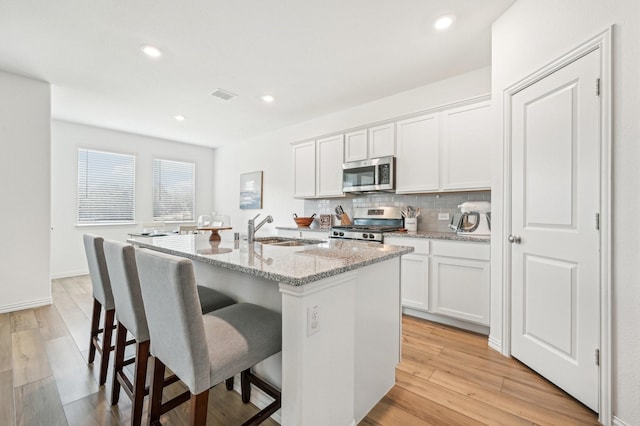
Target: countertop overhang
{"points": [[288, 265]]}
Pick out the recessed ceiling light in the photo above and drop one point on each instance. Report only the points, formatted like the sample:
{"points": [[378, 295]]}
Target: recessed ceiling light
{"points": [[267, 98], [444, 22], [151, 51], [179, 117]]}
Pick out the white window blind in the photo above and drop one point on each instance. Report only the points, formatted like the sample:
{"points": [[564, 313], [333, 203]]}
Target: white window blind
{"points": [[106, 187], [173, 190]]}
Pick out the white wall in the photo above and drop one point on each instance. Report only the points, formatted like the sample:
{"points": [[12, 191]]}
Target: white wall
{"points": [[67, 251], [272, 152], [528, 36], [25, 192]]}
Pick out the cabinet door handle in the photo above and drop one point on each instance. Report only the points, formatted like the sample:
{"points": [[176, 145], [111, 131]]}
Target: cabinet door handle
{"points": [[514, 239]]}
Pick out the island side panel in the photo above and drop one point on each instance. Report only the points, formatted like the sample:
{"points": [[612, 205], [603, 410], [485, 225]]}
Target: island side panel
{"points": [[318, 369], [377, 333]]}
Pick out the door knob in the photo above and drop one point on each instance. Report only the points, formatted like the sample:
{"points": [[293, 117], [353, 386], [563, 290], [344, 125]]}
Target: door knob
{"points": [[515, 239]]}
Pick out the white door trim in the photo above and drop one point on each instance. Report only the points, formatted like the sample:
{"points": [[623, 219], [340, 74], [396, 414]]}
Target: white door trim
{"points": [[601, 41]]}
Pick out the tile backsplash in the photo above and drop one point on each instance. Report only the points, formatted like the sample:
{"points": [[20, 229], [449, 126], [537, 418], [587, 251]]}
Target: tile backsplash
{"points": [[429, 204]]}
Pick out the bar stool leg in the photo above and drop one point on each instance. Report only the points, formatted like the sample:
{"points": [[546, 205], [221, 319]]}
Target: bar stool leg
{"points": [[95, 325], [118, 363], [245, 386], [142, 357], [106, 344], [155, 393], [229, 383], [198, 409]]}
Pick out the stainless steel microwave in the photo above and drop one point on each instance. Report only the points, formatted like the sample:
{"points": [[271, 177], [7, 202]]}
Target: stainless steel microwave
{"points": [[375, 174]]}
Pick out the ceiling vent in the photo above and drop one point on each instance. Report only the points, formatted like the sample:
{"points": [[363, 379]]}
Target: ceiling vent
{"points": [[225, 95]]}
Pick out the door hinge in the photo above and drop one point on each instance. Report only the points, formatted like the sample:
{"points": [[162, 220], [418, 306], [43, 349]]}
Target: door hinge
{"points": [[597, 87], [597, 356], [598, 221]]}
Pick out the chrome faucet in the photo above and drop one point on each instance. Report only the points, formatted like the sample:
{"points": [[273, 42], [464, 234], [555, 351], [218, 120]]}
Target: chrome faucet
{"points": [[253, 228]]}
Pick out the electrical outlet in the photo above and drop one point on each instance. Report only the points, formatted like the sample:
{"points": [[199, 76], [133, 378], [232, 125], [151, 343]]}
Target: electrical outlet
{"points": [[443, 216], [313, 320]]}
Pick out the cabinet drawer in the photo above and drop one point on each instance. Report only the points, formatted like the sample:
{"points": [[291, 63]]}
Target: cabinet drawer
{"points": [[461, 249], [419, 244]]}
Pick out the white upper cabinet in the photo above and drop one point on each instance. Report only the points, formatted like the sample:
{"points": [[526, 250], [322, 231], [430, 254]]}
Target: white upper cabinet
{"points": [[304, 170], [466, 146], [382, 140], [444, 150], [317, 168], [378, 141], [355, 146], [329, 159], [418, 154]]}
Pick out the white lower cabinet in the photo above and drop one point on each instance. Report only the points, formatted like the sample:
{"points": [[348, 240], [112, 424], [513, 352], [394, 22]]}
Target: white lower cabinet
{"points": [[414, 272], [446, 279], [415, 281], [460, 288]]}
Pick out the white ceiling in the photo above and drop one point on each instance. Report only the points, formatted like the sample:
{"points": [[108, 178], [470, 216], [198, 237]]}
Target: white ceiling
{"points": [[315, 57]]}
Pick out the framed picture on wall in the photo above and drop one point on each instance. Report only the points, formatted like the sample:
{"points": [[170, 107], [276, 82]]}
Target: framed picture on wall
{"points": [[251, 190]]}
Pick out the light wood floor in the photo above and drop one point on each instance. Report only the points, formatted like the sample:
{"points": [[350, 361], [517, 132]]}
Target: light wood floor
{"points": [[451, 377], [447, 377]]}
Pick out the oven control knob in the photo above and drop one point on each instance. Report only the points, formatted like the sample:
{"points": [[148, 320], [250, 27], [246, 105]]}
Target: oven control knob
{"points": [[342, 234], [371, 236], [365, 236]]}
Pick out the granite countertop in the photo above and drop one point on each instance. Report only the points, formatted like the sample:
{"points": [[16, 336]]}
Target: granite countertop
{"points": [[289, 265], [440, 236]]}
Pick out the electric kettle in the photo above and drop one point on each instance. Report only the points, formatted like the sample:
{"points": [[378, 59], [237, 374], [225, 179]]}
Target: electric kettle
{"points": [[474, 219]]}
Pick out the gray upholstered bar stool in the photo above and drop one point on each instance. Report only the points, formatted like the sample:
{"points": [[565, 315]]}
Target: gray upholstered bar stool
{"points": [[131, 317], [202, 350], [102, 298]]}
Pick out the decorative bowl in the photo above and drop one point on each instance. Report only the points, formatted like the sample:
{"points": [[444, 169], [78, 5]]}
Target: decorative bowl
{"points": [[303, 222]]}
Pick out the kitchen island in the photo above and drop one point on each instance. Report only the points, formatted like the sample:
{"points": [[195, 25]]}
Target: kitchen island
{"points": [[340, 305]]}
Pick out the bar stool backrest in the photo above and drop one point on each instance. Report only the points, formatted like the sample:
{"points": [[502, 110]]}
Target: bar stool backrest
{"points": [[93, 246], [123, 272], [174, 316]]}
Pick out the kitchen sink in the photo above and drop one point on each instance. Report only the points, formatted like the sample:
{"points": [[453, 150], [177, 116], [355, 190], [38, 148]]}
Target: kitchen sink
{"points": [[285, 242]]}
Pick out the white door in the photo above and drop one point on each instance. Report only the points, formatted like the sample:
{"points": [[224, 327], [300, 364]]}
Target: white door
{"points": [[555, 251]]}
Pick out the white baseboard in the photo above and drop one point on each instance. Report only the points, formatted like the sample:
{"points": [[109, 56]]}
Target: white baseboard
{"points": [[495, 343], [618, 422], [465, 325], [70, 274], [25, 305]]}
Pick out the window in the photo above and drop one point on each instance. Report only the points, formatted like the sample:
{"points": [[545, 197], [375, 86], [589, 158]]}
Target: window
{"points": [[173, 190], [106, 187]]}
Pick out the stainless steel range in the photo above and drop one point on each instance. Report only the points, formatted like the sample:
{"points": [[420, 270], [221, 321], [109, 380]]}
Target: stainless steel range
{"points": [[370, 223]]}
